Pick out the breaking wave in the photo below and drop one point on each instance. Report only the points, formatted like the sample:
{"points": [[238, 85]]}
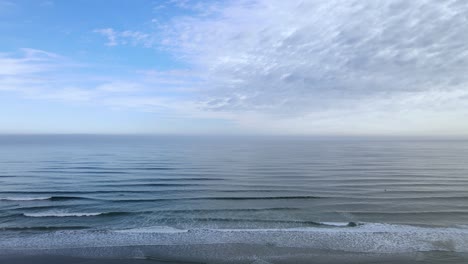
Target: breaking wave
{"points": [[50, 198], [60, 214], [366, 237]]}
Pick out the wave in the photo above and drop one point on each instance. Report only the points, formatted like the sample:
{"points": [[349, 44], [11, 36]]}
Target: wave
{"points": [[74, 192], [150, 185], [79, 172], [400, 198], [42, 228], [42, 207], [169, 229], [94, 168], [222, 198], [65, 198], [25, 198], [50, 198], [60, 214], [365, 238], [399, 213], [183, 211], [262, 198], [153, 229], [83, 214], [250, 220], [151, 168], [340, 224], [228, 210], [174, 179]]}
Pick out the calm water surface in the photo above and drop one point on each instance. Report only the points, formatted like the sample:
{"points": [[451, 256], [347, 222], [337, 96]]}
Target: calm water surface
{"points": [[334, 194]]}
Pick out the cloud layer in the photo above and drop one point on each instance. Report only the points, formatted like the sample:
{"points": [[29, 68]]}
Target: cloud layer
{"points": [[299, 66], [302, 56]]}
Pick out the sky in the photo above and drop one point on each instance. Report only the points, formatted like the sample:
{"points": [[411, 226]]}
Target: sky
{"points": [[305, 67]]}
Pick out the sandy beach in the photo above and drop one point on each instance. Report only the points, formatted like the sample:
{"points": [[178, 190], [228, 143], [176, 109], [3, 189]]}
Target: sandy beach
{"points": [[221, 253]]}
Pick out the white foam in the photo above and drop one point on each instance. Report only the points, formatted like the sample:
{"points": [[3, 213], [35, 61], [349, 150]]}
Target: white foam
{"points": [[335, 223], [365, 238], [60, 214], [153, 229], [25, 198]]}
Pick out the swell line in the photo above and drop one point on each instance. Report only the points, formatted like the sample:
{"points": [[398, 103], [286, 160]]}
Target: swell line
{"points": [[43, 228], [221, 198], [84, 214], [50, 198]]}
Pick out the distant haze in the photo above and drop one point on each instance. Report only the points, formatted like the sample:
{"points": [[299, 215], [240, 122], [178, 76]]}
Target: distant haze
{"points": [[335, 67]]}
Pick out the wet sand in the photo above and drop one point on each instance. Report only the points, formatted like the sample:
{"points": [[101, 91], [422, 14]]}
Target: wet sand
{"points": [[221, 253]]}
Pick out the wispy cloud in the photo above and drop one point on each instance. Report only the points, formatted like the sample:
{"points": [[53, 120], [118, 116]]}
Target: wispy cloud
{"points": [[303, 59], [126, 37], [110, 34], [40, 75], [301, 56], [294, 66], [17, 71], [14, 66]]}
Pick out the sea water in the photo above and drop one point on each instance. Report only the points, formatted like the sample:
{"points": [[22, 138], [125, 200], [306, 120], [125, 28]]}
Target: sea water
{"points": [[365, 195]]}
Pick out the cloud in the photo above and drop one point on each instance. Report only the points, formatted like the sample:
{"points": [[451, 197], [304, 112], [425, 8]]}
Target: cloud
{"points": [[299, 66], [32, 61], [119, 87], [110, 34], [294, 58], [297, 57], [25, 68], [115, 38], [41, 75]]}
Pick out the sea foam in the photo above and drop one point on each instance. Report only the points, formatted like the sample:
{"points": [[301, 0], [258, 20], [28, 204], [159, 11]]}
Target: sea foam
{"points": [[367, 237], [61, 214]]}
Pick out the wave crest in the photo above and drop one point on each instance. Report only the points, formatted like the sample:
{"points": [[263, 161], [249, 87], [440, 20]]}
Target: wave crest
{"points": [[25, 198], [60, 214], [365, 238]]}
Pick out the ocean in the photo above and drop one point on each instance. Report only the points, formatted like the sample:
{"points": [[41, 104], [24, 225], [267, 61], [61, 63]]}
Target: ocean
{"points": [[234, 199]]}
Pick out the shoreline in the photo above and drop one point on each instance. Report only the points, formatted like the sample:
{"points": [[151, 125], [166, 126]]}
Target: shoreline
{"points": [[219, 253]]}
